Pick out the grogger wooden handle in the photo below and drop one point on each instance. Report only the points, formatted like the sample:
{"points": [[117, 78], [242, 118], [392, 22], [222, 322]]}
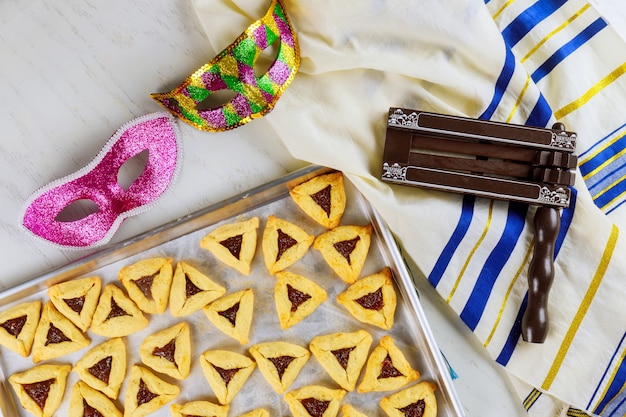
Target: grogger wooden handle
{"points": [[546, 223]]}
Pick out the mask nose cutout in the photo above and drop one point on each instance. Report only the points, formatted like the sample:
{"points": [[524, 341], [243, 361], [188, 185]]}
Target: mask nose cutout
{"points": [[77, 210], [132, 169]]}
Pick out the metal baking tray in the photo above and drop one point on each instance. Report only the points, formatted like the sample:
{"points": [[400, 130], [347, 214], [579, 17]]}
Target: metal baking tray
{"points": [[180, 240]]}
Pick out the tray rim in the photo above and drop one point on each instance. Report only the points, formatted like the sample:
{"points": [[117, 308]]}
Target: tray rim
{"points": [[247, 200]]}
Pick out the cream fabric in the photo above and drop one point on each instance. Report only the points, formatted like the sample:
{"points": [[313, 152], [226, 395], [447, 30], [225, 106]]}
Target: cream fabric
{"points": [[516, 61]]}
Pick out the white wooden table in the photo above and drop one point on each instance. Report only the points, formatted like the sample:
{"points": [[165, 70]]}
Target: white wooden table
{"points": [[72, 72]]}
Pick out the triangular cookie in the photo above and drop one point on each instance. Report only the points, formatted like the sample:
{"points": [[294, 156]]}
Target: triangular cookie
{"points": [[77, 299], [146, 392], [259, 412], [411, 401], [191, 290], [371, 299], [314, 400], [283, 243], [226, 372], [296, 297], [279, 362], [232, 314], [86, 401], [117, 315], [18, 325], [168, 351], [387, 368], [345, 249], [348, 411], [323, 198], [148, 283], [234, 243], [40, 389], [199, 409], [56, 335], [342, 355], [104, 367]]}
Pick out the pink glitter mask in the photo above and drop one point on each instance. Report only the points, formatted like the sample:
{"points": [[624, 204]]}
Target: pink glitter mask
{"points": [[155, 133], [233, 69]]}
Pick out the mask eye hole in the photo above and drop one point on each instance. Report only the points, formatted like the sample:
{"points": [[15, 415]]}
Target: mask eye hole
{"points": [[77, 210], [132, 169], [216, 99], [266, 58]]}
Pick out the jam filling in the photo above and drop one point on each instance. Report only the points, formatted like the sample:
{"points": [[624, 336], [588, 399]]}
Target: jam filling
{"points": [[388, 370], [168, 351], [116, 311], [102, 369], [281, 363], [343, 356], [89, 411], [414, 410], [226, 374], [233, 244], [144, 395], [75, 304], [297, 298], [231, 313], [14, 326], [145, 284], [315, 407], [190, 288], [322, 198], [55, 335], [284, 242], [372, 301], [39, 391], [346, 247]]}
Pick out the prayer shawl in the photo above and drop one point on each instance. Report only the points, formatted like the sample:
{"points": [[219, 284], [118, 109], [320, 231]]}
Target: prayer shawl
{"points": [[530, 62]]}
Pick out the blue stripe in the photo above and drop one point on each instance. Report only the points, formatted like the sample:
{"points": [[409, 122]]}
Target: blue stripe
{"points": [[516, 332], [567, 49], [612, 209], [467, 212], [473, 310], [618, 410], [501, 85], [528, 19], [605, 181], [603, 156], [611, 194], [600, 141], [614, 398], [606, 371], [541, 114]]}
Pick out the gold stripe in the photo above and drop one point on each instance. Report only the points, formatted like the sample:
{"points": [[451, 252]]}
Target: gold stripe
{"points": [[617, 137], [600, 85], [575, 412], [582, 310], [606, 189], [619, 197], [554, 32], [519, 99], [604, 164], [508, 292], [610, 381], [504, 6], [469, 258], [531, 398]]}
